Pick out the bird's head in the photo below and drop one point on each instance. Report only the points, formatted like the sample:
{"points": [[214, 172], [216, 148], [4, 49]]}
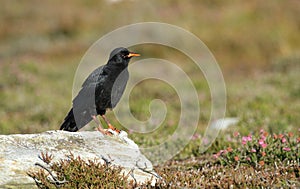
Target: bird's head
{"points": [[121, 56]]}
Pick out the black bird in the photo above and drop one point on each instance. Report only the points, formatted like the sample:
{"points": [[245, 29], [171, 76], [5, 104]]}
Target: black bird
{"points": [[101, 90]]}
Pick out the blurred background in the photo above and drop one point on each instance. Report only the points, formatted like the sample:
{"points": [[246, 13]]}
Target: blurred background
{"points": [[256, 44]]}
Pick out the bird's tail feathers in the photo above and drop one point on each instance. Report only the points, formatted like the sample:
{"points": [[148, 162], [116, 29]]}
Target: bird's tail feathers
{"points": [[69, 123]]}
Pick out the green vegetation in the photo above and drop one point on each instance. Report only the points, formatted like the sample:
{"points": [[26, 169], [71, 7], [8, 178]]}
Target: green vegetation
{"points": [[256, 44], [260, 150], [74, 172], [260, 160]]}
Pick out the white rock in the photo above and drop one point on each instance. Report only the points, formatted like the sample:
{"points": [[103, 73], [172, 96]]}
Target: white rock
{"points": [[19, 153], [224, 123]]}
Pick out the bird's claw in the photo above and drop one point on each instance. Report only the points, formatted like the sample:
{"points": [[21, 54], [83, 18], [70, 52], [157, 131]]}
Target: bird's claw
{"points": [[109, 132], [113, 128]]}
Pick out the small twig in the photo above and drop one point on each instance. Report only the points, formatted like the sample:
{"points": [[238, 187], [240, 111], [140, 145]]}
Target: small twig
{"points": [[275, 165], [54, 180], [47, 169], [37, 182], [58, 183], [107, 161], [110, 157], [150, 172], [40, 157], [131, 173]]}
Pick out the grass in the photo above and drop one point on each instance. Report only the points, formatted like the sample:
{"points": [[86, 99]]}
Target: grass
{"points": [[255, 43], [30, 98]]}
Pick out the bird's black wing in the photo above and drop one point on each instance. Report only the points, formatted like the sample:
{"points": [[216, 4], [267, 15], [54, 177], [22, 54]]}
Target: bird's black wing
{"points": [[84, 103], [119, 87], [93, 77]]}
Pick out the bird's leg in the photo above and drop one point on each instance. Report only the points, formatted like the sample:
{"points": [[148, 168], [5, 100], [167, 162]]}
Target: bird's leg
{"points": [[110, 125], [99, 128]]}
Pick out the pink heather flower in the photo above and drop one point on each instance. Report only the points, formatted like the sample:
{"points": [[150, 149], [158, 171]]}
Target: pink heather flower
{"points": [[286, 149], [229, 149], [223, 151], [253, 150], [262, 143], [248, 158], [263, 137], [229, 138], [245, 139], [249, 138], [283, 140], [205, 140], [262, 163], [263, 134], [236, 134], [216, 155], [195, 136], [261, 131], [291, 134], [280, 136], [236, 158]]}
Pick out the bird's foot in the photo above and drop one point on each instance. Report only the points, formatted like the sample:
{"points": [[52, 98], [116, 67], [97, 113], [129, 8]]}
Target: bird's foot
{"points": [[110, 125], [111, 132], [113, 128], [108, 132]]}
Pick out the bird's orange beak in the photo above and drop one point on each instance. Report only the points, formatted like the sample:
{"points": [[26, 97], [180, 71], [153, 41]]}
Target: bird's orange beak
{"points": [[131, 54]]}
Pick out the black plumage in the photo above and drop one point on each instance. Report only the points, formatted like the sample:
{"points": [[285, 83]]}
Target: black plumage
{"points": [[102, 90]]}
